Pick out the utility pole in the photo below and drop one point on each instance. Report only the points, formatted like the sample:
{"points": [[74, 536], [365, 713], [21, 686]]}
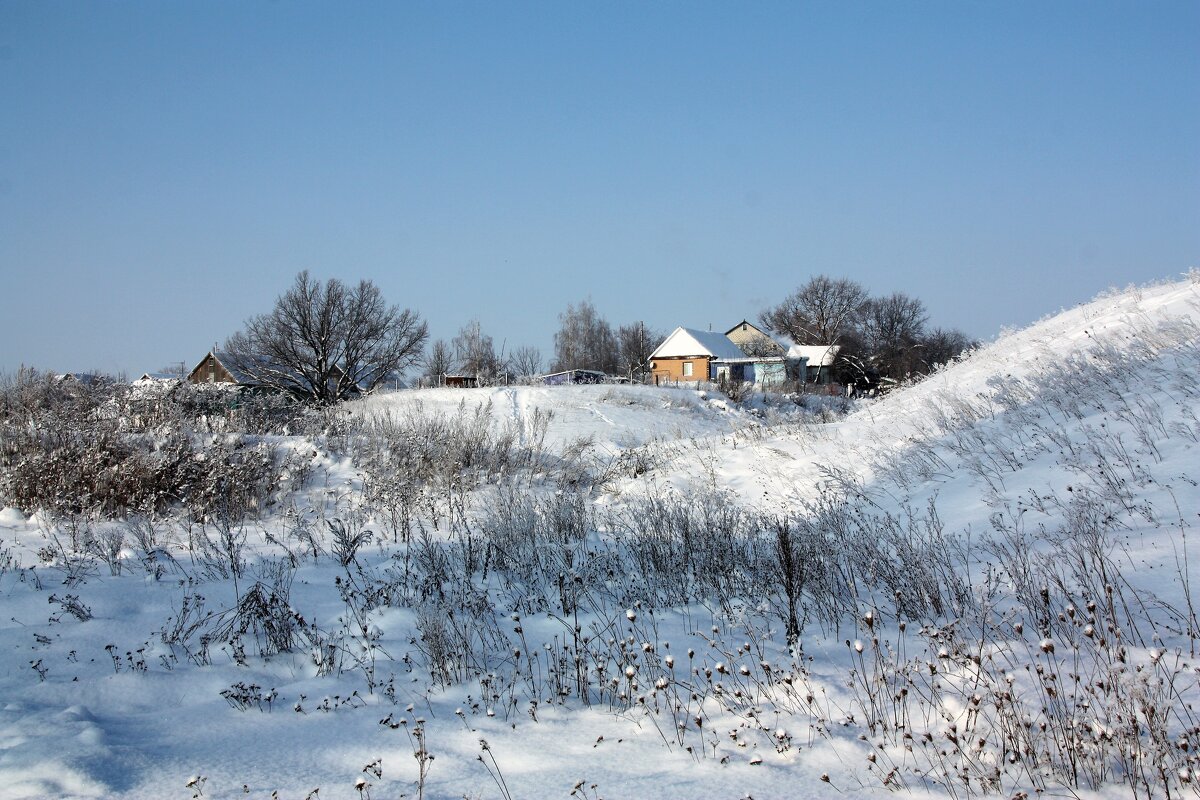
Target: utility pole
{"points": [[643, 346]]}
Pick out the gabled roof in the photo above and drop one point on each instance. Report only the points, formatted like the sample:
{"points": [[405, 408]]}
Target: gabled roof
{"points": [[229, 364], [749, 326], [685, 342]]}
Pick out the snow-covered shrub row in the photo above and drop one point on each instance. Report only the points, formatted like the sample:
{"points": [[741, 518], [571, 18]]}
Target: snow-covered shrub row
{"points": [[106, 449]]}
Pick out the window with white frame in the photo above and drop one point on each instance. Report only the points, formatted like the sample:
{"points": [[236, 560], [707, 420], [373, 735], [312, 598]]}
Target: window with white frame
{"points": [[687, 369]]}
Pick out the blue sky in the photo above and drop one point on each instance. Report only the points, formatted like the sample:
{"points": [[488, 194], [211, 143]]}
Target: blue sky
{"points": [[167, 168]]}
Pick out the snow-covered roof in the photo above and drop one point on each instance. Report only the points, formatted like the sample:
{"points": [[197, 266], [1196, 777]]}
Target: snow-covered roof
{"points": [[690, 342], [85, 378], [754, 360], [818, 355]]}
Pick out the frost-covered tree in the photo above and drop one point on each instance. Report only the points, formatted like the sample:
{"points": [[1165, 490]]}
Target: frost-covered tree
{"points": [[525, 361], [327, 342], [584, 340], [439, 361], [475, 353]]}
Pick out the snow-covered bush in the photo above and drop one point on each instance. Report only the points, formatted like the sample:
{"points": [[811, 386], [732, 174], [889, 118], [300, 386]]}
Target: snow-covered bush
{"points": [[69, 449]]}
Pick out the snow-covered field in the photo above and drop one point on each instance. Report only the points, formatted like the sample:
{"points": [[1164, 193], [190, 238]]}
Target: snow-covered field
{"points": [[555, 591]]}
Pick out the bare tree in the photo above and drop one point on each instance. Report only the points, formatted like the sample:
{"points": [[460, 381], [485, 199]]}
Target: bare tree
{"points": [[584, 341], [476, 353], [892, 330], [635, 343], [438, 362], [876, 337], [325, 343], [822, 311], [761, 346], [941, 345], [525, 361]]}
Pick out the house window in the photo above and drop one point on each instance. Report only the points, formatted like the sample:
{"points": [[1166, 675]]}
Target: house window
{"points": [[687, 369]]}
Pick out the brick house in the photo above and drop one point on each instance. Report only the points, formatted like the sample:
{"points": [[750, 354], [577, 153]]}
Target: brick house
{"points": [[687, 355]]}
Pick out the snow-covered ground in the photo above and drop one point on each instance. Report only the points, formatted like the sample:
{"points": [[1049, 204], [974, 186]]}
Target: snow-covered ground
{"points": [[1050, 454], [614, 417]]}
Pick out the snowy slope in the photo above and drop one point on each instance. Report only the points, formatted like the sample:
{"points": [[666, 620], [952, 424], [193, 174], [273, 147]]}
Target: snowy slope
{"points": [[614, 417], [1142, 332]]}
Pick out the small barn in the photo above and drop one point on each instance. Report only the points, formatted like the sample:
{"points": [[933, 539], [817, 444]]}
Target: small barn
{"points": [[457, 380]]}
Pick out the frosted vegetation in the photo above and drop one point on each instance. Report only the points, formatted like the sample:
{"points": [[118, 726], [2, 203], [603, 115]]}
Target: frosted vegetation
{"points": [[981, 584]]}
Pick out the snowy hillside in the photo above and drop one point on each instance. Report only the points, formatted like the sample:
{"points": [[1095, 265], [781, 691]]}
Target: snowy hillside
{"points": [[980, 584], [1007, 431], [612, 417], [1125, 334]]}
